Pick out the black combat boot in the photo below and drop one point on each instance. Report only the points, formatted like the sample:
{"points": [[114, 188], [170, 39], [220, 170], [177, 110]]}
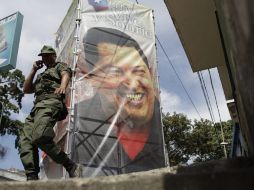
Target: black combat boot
{"points": [[73, 169], [32, 176]]}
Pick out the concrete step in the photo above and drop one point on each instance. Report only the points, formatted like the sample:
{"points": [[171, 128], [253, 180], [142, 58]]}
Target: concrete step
{"points": [[233, 174]]}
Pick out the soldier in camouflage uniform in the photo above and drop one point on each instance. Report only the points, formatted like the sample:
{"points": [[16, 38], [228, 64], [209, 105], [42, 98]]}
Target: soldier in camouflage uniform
{"points": [[49, 89]]}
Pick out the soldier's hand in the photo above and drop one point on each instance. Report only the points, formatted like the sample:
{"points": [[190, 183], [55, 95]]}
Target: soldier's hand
{"points": [[60, 90], [37, 65]]}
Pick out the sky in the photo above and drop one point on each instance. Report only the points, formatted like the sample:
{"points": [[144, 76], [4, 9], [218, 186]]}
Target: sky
{"points": [[41, 21]]}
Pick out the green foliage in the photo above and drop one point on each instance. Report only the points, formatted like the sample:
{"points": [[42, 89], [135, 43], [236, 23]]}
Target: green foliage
{"points": [[177, 136], [197, 141], [11, 94], [11, 84]]}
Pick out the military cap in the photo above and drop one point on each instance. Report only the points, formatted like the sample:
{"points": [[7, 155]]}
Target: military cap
{"points": [[47, 50]]}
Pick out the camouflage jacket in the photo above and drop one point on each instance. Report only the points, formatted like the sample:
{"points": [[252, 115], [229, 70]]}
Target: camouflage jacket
{"points": [[50, 79]]}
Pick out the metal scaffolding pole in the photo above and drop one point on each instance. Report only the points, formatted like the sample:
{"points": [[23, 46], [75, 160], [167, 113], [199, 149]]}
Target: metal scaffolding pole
{"points": [[70, 129]]}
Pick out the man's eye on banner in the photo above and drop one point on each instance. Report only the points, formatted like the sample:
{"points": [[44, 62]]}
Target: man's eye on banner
{"points": [[99, 5]]}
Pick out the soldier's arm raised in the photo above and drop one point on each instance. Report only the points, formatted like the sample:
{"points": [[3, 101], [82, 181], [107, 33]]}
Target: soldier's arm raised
{"points": [[28, 84]]}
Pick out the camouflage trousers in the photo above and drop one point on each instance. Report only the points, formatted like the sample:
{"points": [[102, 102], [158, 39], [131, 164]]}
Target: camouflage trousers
{"points": [[38, 133]]}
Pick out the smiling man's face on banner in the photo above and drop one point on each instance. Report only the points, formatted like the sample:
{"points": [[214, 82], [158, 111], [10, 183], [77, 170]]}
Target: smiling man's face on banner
{"points": [[126, 80]]}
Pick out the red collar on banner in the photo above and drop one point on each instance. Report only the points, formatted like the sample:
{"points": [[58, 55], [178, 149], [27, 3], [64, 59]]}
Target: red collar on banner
{"points": [[133, 142]]}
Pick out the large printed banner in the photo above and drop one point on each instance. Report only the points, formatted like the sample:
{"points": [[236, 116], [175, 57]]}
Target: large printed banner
{"points": [[65, 31], [10, 29], [117, 109], [117, 120]]}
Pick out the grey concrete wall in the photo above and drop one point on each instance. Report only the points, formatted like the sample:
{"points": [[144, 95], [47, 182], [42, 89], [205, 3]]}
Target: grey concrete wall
{"points": [[233, 174], [236, 20], [233, 180]]}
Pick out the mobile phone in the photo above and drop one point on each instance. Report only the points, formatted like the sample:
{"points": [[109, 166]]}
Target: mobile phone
{"points": [[39, 62]]}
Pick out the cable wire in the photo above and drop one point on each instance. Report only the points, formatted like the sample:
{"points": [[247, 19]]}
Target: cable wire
{"points": [[209, 102], [170, 62], [205, 93], [221, 128]]}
